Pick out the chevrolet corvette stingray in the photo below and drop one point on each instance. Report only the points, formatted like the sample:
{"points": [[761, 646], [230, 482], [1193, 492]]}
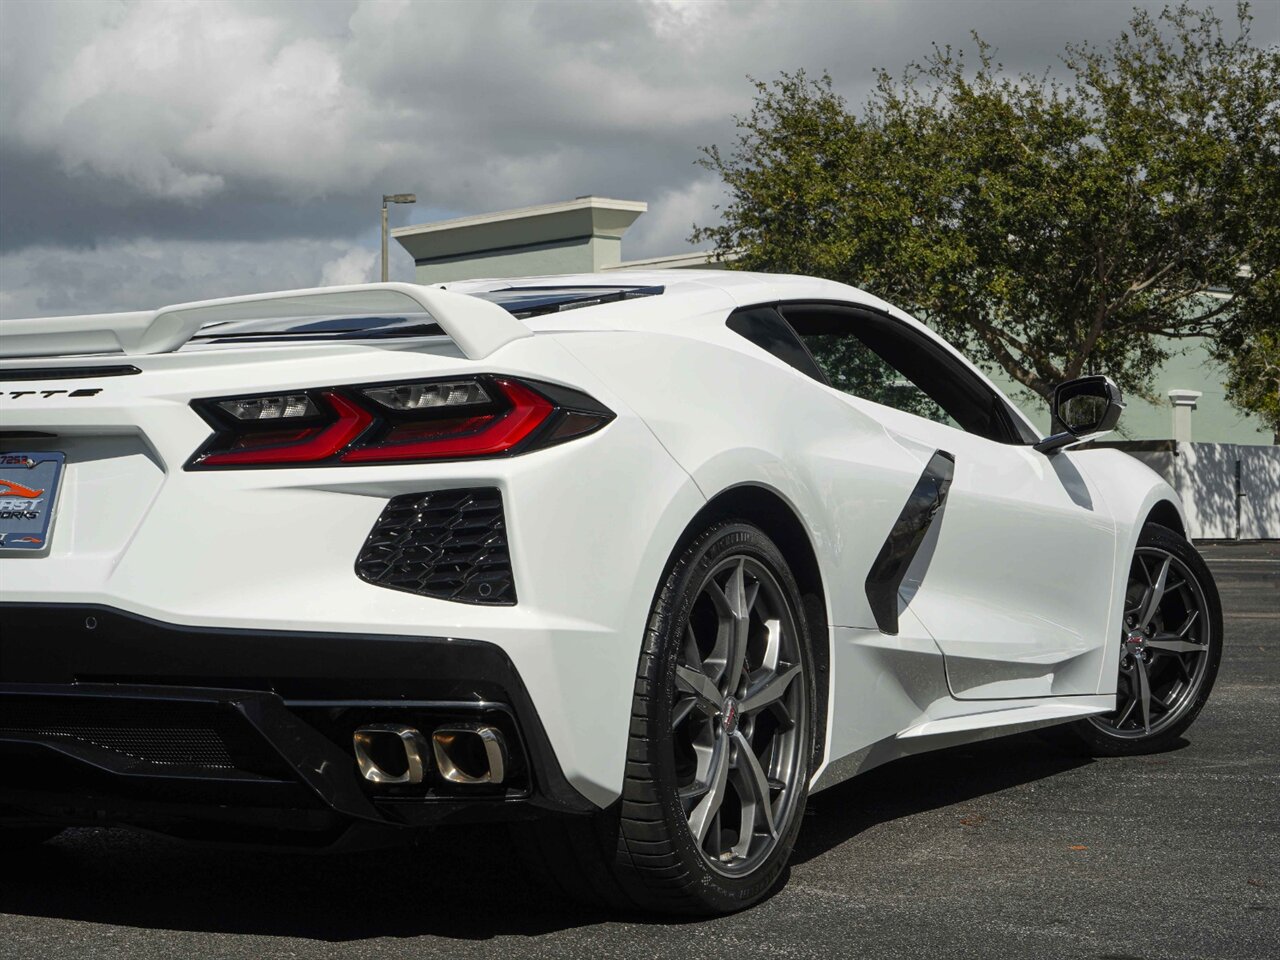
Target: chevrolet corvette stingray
{"points": [[627, 563]]}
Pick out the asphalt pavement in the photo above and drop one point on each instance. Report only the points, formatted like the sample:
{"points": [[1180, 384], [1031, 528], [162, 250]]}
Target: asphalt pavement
{"points": [[1003, 849]]}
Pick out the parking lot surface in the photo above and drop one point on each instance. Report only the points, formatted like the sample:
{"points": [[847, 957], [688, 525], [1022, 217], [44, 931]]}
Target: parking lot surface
{"points": [[1003, 849]]}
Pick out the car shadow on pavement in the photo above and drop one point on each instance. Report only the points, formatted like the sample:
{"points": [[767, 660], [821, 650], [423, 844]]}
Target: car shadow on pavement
{"points": [[929, 781], [462, 885]]}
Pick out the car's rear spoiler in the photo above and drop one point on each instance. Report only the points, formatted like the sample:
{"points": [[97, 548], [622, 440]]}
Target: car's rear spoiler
{"points": [[477, 326]]}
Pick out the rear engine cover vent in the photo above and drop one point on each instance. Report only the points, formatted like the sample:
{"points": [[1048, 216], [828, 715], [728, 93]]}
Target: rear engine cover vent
{"points": [[450, 544]]}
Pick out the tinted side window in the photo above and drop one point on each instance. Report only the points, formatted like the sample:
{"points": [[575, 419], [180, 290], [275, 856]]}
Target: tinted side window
{"points": [[853, 367], [879, 358], [765, 327]]}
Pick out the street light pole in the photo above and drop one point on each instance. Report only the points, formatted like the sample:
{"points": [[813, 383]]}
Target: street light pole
{"points": [[391, 198]]}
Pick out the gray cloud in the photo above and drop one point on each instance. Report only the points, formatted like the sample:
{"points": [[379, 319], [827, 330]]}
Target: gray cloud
{"points": [[153, 152], [138, 274]]}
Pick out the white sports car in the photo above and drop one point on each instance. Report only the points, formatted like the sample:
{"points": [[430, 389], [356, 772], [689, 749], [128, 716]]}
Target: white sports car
{"points": [[636, 561]]}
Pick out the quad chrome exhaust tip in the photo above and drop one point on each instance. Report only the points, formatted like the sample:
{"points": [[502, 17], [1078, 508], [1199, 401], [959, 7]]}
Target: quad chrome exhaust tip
{"points": [[470, 754], [466, 754], [390, 753]]}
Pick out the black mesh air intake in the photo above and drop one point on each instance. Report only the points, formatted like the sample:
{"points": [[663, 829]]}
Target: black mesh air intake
{"points": [[450, 544], [143, 733]]}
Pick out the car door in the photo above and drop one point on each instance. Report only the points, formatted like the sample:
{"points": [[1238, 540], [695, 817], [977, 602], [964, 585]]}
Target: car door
{"points": [[1012, 552]]}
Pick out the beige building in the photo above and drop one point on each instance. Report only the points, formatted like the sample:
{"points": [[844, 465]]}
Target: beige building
{"points": [[580, 236]]}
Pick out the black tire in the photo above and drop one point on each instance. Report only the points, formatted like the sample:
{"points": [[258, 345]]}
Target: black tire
{"points": [[14, 838], [642, 854], [1097, 736]]}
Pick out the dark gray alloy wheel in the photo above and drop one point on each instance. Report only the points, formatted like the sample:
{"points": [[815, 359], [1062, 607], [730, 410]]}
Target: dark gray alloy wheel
{"points": [[722, 742], [1170, 647], [739, 716]]}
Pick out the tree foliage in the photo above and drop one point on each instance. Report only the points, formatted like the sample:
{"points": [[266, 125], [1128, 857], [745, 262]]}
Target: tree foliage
{"points": [[1050, 227], [1253, 373]]}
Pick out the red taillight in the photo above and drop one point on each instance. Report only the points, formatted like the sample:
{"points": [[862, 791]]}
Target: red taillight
{"points": [[473, 437], [306, 446], [394, 423]]}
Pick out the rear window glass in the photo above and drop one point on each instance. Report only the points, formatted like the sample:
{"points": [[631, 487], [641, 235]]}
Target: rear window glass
{"points": [[321, 328], [536, 301], [765, 327]]}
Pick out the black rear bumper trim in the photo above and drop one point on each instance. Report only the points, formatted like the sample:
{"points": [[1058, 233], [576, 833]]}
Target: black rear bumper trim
{"points": [[281, 685]]}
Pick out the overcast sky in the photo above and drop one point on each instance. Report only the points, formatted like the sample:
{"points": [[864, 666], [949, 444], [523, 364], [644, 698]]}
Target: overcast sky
{"points": [[156, 152]]}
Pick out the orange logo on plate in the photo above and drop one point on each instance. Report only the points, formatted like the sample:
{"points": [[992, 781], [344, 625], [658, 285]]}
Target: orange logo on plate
{"points": [[8, 487]]}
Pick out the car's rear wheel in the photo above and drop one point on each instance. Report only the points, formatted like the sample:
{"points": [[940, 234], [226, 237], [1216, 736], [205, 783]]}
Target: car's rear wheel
{"points": [[721, 745], [1170, 647]]}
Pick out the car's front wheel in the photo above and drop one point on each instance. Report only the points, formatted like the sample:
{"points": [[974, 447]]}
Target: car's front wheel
{"points": [[721, 745], [1170, 647]]}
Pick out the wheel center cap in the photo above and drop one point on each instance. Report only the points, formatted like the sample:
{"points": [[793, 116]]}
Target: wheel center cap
{"points": [[729, 716], [1135, 640]]}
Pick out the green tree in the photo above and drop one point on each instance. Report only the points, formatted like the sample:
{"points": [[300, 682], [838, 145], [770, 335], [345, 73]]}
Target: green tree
{"points": [[1048, 227], [1252, 366]]}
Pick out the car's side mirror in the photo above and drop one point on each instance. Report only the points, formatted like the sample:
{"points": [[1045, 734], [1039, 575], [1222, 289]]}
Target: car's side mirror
{"points": [[1082, 409]]}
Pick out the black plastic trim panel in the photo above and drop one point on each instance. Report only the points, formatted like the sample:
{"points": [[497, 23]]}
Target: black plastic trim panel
{"points": [[286, 687], [68, 373], [447, 544], [905, 537]]}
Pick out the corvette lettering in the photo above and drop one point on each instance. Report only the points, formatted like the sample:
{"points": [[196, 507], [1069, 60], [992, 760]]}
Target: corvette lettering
{"points": [[46, 394]]}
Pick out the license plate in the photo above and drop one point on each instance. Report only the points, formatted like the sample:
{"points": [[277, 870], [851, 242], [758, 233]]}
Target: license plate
{"points": [[28, 496]]}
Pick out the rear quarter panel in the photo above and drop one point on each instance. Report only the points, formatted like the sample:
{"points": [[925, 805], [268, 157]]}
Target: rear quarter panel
{"points": [[731, 417]]}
